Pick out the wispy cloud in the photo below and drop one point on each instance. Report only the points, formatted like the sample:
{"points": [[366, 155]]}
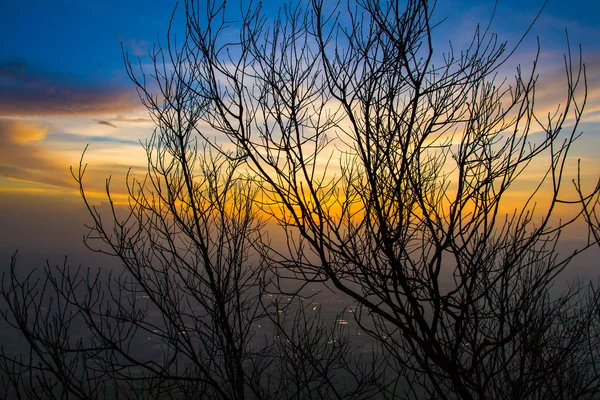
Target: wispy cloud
{"points": [[31, 153], [137, 47], [132, 120], [23, 158], [76, 138], [25, 91], [551, 94], [105, 123]]}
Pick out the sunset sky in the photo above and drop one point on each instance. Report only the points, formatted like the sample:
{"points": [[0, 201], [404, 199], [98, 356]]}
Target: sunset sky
{"points": [[63, 85]]}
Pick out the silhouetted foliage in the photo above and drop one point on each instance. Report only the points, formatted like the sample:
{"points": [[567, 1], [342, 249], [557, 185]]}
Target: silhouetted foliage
{"points": [[386, 167]]}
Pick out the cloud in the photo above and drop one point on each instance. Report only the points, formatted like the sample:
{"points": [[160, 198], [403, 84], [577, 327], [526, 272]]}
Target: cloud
{"points": [[551, 90], [133, 120], [76, 138], [20, 132], [22, 157], [25, 91], [137, 47], [105, 123]]}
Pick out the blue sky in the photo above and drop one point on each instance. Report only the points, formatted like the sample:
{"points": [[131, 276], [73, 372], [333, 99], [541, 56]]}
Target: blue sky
{"points": [[79, 41], [63, 85]]}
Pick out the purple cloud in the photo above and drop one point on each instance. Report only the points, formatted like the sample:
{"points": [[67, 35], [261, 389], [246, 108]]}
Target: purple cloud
{"points": [[27, 92]]}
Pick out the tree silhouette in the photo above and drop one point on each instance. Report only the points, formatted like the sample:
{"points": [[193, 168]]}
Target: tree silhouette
{"points": [[387, 167]]}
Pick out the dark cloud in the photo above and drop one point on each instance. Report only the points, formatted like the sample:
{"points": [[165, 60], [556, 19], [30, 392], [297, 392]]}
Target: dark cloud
{"points": [[25, 91], [106, 123]]}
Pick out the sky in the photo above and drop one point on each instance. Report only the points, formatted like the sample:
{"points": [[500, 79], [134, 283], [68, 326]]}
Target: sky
{"points": [[63, 86]]}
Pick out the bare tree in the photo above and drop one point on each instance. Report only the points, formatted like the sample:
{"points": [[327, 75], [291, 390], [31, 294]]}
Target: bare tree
{"points": [[193, 312], [411, 225], [387, 167]]}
